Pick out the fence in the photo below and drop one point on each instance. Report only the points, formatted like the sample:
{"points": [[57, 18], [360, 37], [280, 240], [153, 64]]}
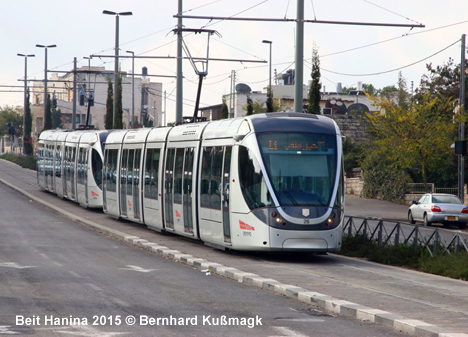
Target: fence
{"points": [[419, 188], [390, 233], [447, 190]]}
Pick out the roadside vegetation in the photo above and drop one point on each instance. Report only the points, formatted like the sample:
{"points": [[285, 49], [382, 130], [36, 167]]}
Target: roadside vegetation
{"points": [[410, 137], [28, 162], [417, 258]]}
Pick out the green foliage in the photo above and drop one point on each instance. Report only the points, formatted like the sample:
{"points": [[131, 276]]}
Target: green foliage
{"points": [[57, 119], [417, 134], [353, 155], [28, 162], [109, 125], [381, 181], [452, 265], [314, 91], [118, 123], [224, 110], [270, 107], [28, 143], [48, 114], [9, 114], [250, 108]]}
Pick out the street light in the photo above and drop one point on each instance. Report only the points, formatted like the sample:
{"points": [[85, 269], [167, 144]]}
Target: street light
{"points": [[25, 90], [133, 86], [45, 73], [270, 43], [116, 67]]}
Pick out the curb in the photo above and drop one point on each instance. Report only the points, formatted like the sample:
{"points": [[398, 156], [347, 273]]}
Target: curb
{"points": [[325, 302]]}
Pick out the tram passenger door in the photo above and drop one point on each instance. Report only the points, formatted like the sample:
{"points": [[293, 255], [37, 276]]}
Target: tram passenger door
{"points": [[169, 189], [123, 183], [188, 190], [225, 198], [136, 184], [214, 193]]}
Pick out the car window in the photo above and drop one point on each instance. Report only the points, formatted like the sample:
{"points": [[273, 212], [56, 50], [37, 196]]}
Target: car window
{"points": [[423, 199], [446, 199]]}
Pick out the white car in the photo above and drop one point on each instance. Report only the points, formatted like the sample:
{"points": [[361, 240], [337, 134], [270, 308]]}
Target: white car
{"points": [[441, 208]]}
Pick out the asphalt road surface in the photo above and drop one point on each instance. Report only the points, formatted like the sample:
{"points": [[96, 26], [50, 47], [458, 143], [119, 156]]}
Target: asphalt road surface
{"points": [[58, 278]]}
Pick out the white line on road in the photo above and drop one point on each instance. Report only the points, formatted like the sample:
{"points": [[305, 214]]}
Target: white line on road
{"points": [[137, 268], [14, 265]]}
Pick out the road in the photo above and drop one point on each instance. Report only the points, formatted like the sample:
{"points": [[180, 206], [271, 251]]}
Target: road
{"points": [[53, 269], [417, 303]]}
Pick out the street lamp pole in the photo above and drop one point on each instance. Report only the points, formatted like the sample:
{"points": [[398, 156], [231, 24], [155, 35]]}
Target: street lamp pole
{"points": [[25, 91], [45, 73], [133, 86], [269, 80], [116, 66]]}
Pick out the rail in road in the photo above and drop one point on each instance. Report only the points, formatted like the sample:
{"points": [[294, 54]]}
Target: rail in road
{"points": [[435, 240], [401, 299]]}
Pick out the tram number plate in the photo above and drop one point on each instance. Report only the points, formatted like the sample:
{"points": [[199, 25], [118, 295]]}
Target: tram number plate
{"points": [[452, 218]]}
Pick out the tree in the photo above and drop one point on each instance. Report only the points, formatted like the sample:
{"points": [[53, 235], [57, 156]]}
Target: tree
{"points": [[417, 135], [250, 108], [224, 110], [388, 92], [370, 89], [27, 139], [109, 125], [48, 114], [314, 91], [269, 101], [118, 123], [57, 119], [403, 96]]}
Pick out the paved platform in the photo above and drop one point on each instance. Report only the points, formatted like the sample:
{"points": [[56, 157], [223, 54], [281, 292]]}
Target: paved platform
{"points": [[415, 303]]}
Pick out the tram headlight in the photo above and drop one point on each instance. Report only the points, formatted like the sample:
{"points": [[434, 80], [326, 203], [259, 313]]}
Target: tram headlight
{"points": [[279, 219]]}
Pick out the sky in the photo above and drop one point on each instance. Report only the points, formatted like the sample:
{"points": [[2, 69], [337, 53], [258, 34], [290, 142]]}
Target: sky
{"points": [[348, 54]]}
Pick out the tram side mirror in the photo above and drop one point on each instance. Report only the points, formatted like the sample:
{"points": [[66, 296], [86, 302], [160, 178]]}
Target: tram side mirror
{"points": [[238, 138]]}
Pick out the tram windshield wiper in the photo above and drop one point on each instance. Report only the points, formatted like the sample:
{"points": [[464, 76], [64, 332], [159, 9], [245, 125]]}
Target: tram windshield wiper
{"points": [[286, 193]]}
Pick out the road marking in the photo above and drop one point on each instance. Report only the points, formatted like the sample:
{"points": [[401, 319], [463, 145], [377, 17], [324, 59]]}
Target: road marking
{"points": [[95, 287], [14, 265], [286, 332], [5, 330], [137, 268], [87, 331], [305, 319], [75, 274]]}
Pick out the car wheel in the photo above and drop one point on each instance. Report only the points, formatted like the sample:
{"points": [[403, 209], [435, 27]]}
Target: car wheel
{"points": [[426, 222], [410, 218]]}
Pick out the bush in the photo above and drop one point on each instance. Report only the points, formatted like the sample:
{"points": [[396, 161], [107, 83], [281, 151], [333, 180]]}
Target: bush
{"points": [[28, 162], [453, 265]]}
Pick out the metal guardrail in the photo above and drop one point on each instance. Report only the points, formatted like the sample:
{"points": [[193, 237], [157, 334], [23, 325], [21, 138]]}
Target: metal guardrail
{"points": [[419, 188], [447, 190], [435, 240]]}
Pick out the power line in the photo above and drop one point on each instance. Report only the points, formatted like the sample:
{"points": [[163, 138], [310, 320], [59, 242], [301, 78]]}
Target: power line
{"points": [[392, 70]]}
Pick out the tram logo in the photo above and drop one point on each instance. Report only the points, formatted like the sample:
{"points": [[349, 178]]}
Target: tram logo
{"points": [[94, 194], [129, 203], [177, 214], [245, 226]]}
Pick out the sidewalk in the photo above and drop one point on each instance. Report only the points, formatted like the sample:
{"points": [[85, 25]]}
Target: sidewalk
{"points": [[416, 303]]}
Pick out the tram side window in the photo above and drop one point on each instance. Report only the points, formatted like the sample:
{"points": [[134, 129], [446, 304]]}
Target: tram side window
{"points": [[96, 167], [216, 174], [110, 170], [151, 173], [179, 163], [205, 192], [40, 158], [252, 181], [58, 161]]}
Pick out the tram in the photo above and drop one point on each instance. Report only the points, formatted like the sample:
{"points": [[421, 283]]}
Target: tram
{"points": [[267, 182], [69, 164]]}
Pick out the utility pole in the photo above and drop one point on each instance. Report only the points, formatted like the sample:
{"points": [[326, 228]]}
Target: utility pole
{"points": [[299, 62], [179, 90], [461, 157], [74, 95]]}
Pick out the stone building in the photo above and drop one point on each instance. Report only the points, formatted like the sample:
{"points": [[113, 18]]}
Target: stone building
{"points": [[147, 97]]}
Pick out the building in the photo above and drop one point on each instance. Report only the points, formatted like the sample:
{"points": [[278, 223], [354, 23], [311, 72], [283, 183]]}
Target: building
{"points": [[94, 80]]}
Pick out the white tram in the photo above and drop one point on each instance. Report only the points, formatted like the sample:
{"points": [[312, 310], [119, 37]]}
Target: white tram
{"points": [[69, 164], [270, 182]]}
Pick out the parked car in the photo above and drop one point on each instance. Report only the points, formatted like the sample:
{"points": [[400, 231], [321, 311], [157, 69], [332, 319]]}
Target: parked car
{"points": [[439, 208]]}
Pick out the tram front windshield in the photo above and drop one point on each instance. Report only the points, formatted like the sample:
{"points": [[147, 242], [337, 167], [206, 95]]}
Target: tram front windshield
{"points": [[301, 166]]}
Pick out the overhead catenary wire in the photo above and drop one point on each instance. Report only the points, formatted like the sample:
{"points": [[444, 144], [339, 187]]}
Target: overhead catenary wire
{"points": [[392, 70]]}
